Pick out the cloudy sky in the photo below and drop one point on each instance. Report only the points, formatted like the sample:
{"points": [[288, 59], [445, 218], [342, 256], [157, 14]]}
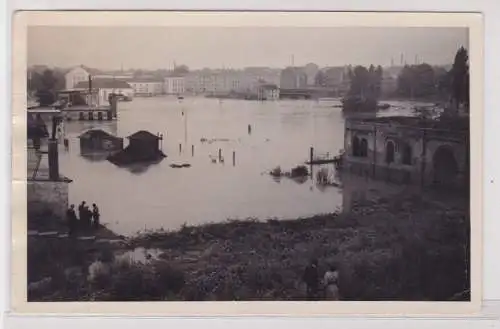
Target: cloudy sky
{"points": [[198, 47]]}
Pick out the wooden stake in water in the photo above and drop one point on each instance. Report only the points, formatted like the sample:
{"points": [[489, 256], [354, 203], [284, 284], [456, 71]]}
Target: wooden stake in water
{"points": [[220, 154], [234, 158], [311, 155], [180, 148], [192, 150]]}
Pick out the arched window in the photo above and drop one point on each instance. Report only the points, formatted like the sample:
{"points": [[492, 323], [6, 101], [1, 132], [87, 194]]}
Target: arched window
{"points": [[363, 147], [390, 150], [407, 154], [355, 146]]}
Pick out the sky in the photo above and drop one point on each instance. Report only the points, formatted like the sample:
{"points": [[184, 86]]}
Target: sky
{"points": [[238, 47]]}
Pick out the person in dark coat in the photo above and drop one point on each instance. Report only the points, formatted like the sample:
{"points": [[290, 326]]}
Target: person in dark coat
{"points": [[95, 215], [72, 220], [311, 279], [66, 144], [82, 214]]}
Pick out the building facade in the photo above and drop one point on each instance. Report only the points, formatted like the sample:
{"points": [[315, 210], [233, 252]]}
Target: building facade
{"points": [[268, 92], [174, 85], [404, 150], [293, 78], [75, 76], [105, 87], [146, 86]]}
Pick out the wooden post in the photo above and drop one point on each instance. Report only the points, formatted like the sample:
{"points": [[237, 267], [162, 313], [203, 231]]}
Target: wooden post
{"points": [[311, 155], [220, 154], [234, 158], [192, 150], [180, 148]]}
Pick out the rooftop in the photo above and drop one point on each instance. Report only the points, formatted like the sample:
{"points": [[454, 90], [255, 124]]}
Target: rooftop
{"points": [[96, 133], [143, 135], [104, 83], [454, 123]]}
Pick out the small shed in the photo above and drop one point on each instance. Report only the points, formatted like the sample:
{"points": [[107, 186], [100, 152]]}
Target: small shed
{"points": [[144, 142], [99, 141], [143, 147]]}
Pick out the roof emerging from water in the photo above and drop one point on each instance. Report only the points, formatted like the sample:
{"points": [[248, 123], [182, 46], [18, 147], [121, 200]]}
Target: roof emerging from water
{"points": [[143, 135], [447, 123], [96, 133]]}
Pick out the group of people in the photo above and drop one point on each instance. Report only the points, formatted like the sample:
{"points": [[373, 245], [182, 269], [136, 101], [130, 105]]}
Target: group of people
{"points": [[86, 218], [321, 288]]}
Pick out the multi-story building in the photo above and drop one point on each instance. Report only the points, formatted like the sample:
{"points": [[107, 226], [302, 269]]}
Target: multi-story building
{"points": [[105, 87], [293, 78], [75, 76], [174, 84], [311, 70], [146, 86]]}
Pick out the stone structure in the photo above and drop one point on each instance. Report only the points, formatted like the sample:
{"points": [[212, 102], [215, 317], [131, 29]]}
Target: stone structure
{"points": [[409, 150], [46, 197], [47, 189]]}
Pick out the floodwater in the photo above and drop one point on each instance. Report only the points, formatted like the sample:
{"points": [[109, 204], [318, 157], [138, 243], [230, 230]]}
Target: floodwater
{"points": [[158, 196]]}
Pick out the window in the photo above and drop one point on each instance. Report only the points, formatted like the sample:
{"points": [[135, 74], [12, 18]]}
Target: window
{"points": [[390, 150], [407, 154], [355, 146]]}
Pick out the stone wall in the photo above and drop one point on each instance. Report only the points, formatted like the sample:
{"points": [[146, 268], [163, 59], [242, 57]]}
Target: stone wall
{"points": [[420, 168], [46, 197]]}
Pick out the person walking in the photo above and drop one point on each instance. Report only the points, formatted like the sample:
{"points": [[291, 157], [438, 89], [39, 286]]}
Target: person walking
{"points": [[311, 279], [95, 215]]}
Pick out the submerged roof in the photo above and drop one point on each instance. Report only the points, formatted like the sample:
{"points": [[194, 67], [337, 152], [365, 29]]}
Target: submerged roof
{"points": [[143, 135], [96, 133]]}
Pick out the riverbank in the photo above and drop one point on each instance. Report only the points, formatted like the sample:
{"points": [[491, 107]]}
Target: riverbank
{"points": [[406, 248]]}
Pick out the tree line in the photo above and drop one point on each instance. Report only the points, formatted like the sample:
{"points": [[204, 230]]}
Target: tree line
{"points": [[413, 82]]}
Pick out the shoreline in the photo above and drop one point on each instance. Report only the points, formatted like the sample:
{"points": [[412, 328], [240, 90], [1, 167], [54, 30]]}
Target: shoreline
{"points": [[374, 246]]}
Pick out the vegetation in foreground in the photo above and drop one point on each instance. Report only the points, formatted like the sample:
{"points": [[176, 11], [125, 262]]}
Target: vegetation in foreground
{"points": [[399, 249]]}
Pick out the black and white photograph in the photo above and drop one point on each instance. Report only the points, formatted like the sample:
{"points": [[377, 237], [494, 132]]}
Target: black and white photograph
{"points": [[248, 163]]}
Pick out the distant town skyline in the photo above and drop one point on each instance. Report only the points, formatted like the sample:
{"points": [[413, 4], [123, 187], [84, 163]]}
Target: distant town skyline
{"points": [[152, 48]]}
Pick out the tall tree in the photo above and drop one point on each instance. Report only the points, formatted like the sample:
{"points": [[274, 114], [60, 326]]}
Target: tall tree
{"points": [[460, 78]]}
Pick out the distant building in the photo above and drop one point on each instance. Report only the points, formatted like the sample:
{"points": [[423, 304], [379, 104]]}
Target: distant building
{"points": [[105, 87], [99, 141], [75, 76], [311, 70], [268, 92], [146, 86], [173, 85], [293, 78]]}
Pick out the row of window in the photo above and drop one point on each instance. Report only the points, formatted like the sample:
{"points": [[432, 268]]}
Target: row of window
{"points": [[90, 116], [360, 149]]}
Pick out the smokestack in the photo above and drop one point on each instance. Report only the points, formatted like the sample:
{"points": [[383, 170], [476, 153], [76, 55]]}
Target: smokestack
{"points": [[402, 58]]}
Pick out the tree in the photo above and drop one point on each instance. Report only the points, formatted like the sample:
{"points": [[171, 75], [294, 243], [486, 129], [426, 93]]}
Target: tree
{"points": [[181, 69], [417, 81], [364, 89], [460, 78], [320, 79]]}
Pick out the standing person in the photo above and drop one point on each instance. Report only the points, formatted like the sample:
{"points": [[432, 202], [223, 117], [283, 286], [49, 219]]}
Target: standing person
{"points": [[311, 278], [72, 220], [66, 144], [81, 213], [95, 215], [330, 282], [88, 216]]}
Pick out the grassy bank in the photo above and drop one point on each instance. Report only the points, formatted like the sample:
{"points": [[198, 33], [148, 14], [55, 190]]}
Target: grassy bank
{"points": [[405, 248]]}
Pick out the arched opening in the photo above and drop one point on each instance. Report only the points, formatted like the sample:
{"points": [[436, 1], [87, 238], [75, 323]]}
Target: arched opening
{"points": [[407, 154], [91, 115], [81, 117], [445, 166], [355, 146], [363, 147], [390, 150], [99, 116]]}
